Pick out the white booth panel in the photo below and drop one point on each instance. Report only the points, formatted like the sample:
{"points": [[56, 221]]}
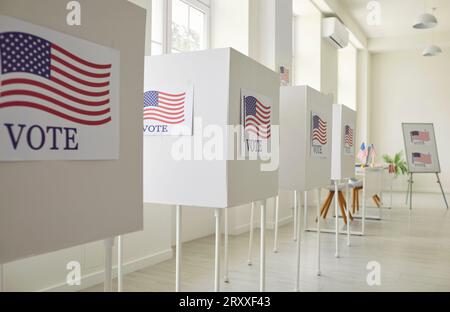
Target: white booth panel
{"points": [[343, 152], [300, 167], [46, 206]]}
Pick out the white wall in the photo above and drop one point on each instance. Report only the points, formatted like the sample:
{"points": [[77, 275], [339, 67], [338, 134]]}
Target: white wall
{"points": [[406, 87], [347, 74], [230, 24], [307, 57]]}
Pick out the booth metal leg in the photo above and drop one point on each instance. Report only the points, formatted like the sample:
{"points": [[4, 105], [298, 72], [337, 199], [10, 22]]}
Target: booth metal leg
{"points": [[305, 211], [109, 243], [275, 239], [294, 237], [250, 243], [336, 200], [299, 240], [262, 258], [319, 272], [226, 248], [217, 252], [442, 190], [363, 226], [178, 248], [119, 264], [347, 191]]}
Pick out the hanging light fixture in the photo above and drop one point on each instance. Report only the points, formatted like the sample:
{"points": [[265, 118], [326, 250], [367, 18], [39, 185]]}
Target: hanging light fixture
{"points": [[433, 49], [426, 21]]}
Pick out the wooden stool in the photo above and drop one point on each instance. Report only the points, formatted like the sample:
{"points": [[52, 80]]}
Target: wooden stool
{"points": [[355, 205], [342, 205]]}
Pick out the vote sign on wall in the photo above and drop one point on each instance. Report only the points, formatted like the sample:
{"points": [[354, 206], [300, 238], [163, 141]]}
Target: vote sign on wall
{"points": [[59, 95]]}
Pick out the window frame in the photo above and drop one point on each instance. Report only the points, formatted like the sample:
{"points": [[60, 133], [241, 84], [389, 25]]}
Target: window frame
{"points": [[167, 23]]}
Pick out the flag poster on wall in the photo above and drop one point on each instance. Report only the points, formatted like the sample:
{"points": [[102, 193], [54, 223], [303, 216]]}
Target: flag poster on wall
{"points": [[256, 122], [168, 111], [421, 148], [349, 146], [59, 95], [319, 135]]}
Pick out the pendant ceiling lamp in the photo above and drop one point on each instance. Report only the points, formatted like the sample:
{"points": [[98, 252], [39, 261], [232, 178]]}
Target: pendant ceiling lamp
{"points": [[432, 50], [426, 21]]}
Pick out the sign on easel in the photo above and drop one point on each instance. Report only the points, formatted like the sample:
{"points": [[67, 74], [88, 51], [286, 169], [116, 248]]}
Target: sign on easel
{"points": [[421, 148], [422, 153]]}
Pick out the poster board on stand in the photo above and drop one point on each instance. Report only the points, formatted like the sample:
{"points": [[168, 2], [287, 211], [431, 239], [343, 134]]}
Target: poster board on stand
{"points": [[63, 202], [421, 148]]}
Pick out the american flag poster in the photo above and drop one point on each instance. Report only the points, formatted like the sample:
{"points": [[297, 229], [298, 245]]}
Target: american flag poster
{"points": [[319, 135], [349, 146], [256, 122], [422, 159], [59, 95], [420, 137], [168, 111]]}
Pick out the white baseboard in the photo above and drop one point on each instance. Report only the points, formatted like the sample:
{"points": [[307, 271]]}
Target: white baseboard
{"points": [[96, 278], [244, 228]]}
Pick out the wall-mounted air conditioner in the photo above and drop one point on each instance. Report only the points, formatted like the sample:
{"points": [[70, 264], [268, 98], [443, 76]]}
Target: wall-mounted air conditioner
{"points": [[335, 32]]}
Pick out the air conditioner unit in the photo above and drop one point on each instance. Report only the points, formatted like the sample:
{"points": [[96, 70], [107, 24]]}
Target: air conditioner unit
{"points": [[335, 32]]}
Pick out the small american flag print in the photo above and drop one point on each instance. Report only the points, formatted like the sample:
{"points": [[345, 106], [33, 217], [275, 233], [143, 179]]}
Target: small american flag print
{"points": [[257, 118], [167, 108], [40, 75], [319, 131], [420, 137], [421, 159], [348, 136]]}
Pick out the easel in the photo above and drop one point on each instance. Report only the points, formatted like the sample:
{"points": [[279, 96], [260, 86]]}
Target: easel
{"points": [[410, 185]]}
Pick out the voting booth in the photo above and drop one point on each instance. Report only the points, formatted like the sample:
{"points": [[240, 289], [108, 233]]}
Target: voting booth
{"points": [[177, 175], [70, 125], [206, 128], [305, 150], [343, 166], [305, 138]]}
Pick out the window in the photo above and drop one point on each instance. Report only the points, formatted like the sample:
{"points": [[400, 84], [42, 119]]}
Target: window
{"points": [[179, 26]]}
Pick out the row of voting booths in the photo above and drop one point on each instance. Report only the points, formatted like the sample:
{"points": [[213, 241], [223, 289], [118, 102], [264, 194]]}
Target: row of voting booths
{"points": [[212, 122]]}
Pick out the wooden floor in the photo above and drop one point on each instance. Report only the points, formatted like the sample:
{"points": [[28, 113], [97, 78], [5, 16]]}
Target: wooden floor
{"points": [[413, 251]]}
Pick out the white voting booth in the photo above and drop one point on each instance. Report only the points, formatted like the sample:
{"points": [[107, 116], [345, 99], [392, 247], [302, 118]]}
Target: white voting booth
{"points": [[205, 167], [343, 159], [89, 188], [305, 147]]}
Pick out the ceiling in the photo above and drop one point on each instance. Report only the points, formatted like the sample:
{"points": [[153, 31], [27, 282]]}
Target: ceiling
{"points": [[398, 16]]}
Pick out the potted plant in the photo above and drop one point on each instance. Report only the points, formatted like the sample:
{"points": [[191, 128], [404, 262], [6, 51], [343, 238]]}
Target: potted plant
{"points": [[397, 165]]}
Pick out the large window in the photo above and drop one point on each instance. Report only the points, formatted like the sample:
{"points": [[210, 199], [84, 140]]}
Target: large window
{"points": [[179, 26]]}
